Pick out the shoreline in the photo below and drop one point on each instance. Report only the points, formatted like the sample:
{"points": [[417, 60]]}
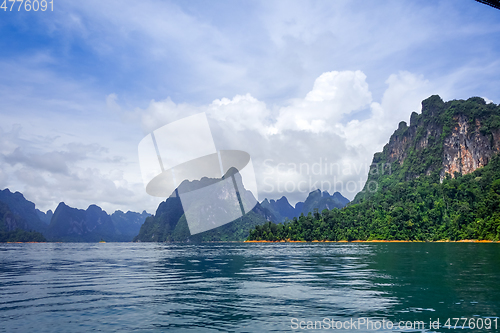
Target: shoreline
{"points": [[377, 241], [284, 241]]}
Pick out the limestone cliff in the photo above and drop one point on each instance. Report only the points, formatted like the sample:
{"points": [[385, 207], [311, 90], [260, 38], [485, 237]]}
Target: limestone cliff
{"points": [[467, 149], [446, 138]]}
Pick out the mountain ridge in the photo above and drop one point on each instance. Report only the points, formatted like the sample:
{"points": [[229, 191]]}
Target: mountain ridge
{"points": [[93, 224], [67, 223], [169, 224], [316, 200]]}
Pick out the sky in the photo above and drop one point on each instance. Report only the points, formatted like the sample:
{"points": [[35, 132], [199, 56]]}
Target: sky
{"points": [[310, 89]]}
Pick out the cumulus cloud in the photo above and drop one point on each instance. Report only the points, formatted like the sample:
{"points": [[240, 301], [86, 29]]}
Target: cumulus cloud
{"points": [[344, 88], [405, 91], [341, 153], [159, 113], [296, 147], [260, 62], [305, 144], [242, 112], [333, 95], [404, 94]]}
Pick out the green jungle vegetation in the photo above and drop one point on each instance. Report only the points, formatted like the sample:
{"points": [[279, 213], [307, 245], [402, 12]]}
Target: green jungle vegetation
{"points": [[410, 202], [466, 207], [162, 228], [17, 235]]}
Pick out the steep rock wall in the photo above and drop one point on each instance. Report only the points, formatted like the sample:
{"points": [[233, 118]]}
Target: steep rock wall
{"points": [[466, 149]]}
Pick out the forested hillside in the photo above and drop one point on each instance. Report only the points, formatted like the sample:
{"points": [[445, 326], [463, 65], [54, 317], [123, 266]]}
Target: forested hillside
{"points": [[438, 179]]}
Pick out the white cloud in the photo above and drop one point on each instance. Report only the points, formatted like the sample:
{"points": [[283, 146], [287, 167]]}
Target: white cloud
{"points": [[164, 112], [487, 100], [305, 131], [82, 187], [270, 49], [344, 87], [308, 131], [48, 171], [405, 92], [112, 104], [242, 112], [333, 95], [55, 162], [403, 95], [103, 64]]}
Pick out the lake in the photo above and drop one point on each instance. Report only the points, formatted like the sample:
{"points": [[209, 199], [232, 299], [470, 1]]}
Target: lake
{"points": [[249, 287]]}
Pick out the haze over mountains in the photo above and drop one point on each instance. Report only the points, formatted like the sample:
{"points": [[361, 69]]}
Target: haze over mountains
{"points": [[316, 200], [70, 224]]}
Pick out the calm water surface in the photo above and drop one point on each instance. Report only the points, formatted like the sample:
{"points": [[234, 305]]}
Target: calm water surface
{"points": [[130, 287]]}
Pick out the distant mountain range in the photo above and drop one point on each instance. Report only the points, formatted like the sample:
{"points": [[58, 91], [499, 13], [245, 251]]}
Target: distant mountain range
{"points": [[93, 224], [281, 208], [67, 223], [169, 224]]}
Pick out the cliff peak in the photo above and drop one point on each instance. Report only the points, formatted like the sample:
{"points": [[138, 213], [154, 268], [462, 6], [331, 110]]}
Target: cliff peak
{"points": [[451, 137]]}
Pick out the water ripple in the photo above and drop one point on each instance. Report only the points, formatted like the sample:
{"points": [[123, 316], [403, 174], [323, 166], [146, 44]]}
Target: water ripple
{"points": [[238, 287]]}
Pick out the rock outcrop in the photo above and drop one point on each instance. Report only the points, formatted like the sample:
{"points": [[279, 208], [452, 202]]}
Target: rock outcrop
{"points": [[466, 145], [446, 139], [467, 149]]}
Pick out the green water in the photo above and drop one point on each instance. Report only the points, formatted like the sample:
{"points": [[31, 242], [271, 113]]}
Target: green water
{"points": [[117, 287]]}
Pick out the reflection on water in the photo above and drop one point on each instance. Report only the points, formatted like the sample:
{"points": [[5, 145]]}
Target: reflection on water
{"points": [[240, 287]]}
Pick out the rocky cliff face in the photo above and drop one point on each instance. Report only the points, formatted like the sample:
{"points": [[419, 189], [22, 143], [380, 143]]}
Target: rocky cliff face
{"points": [[467, 149], [465, 133], [446, 138], [93, 224], [9, 221], [169, 224], [24, 210]]}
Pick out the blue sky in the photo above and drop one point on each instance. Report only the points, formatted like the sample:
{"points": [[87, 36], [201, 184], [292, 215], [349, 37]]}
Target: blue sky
{"points": [[288, 81]]}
